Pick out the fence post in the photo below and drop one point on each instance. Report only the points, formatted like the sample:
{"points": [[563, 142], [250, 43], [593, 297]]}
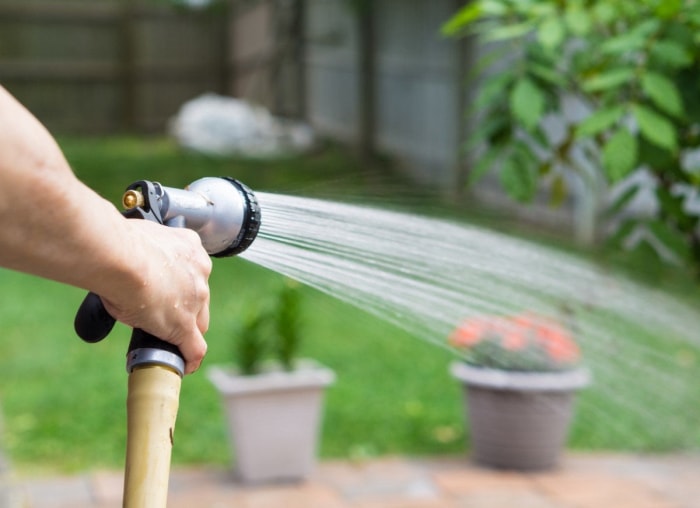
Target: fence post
{"points": [[226, 76], [367, 78], [300, 56], [127, 31]]}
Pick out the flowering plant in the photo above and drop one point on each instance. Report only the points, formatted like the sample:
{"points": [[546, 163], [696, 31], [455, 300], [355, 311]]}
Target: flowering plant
{"points": [[524, 342]]}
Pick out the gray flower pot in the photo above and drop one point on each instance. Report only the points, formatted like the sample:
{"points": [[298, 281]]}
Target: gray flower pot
{"points": [[273, 420], [518, 420]]}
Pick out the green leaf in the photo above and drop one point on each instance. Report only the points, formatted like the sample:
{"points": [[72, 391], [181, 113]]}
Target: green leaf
{"points": [[604, 13], [672, 205], [506, 32], [493, 90], [463, 18], [494, 7], [663, 92], [599, 121], [624, 43], [527, 103], [671, 238], [484, 164], [488, 131], [518, 180], [577, 19], [546, 73], [551, 33], [668, 8], [620, 155], [655, 157], [607, 80], [623, 231], [622, 201], [671, 54], [655, 128]]}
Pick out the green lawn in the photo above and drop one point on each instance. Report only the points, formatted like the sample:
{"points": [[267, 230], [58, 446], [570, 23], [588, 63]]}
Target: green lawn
{"points": [[64, 401]]}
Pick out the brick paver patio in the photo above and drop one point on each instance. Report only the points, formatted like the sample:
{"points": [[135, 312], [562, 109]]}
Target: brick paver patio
{"points": [[582, 481]]}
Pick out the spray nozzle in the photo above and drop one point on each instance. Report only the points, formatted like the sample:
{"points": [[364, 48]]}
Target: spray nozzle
{"points": [[222, 211]]}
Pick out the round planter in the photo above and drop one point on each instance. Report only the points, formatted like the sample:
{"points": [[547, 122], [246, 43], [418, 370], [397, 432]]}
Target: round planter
{"points": [[518, 420]]}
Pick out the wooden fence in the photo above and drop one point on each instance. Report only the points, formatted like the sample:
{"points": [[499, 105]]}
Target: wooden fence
{"points": [[104, 66]]}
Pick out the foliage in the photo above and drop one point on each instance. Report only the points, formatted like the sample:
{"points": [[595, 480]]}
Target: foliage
{"points": [[523, 342], [251, 344], [288, 325], [271, 332], [593, 89]]}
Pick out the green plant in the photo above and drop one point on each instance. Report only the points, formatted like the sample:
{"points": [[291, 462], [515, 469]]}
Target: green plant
{"points": [[271, 333], [251, 344], [524, 342], [630, 70], [288, 324]]}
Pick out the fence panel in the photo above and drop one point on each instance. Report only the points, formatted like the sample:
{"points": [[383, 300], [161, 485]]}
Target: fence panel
{"points": [[99, 66]]}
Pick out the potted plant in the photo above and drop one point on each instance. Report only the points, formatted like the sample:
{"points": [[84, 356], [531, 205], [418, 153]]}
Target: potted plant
{"points": [[520, 375], [273, 400]]}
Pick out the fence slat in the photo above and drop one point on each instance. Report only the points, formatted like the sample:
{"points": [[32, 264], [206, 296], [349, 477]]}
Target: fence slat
{"points": [[62, 71], [53, 48], [57, 12]]}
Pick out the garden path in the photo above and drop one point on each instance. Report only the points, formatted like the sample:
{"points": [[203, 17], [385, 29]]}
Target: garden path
{"points": [[584, 480]]}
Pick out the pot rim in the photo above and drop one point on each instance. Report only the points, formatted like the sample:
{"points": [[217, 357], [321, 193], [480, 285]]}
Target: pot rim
{"points": [[498, 379], [309, 374]]}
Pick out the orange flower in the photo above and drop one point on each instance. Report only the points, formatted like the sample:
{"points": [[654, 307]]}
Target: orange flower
{"points": [[559, 345], [469, 332], [513, 333], [521, 342]]}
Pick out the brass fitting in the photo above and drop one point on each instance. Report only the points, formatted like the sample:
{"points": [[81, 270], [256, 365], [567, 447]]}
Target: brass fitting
{"points": [[132, 198]]}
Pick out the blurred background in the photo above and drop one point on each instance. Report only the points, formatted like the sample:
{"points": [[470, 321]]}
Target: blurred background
{"points": [[384, 96]]}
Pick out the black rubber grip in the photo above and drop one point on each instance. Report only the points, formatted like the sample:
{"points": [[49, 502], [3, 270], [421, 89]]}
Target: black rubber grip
{"points": [[142, 340], [92, 322]]}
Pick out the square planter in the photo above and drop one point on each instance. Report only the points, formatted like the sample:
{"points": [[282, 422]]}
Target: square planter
{"points": [[274, 420]]}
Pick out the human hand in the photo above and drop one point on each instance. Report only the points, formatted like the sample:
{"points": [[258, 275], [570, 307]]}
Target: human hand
{"points": [[165, 292]]}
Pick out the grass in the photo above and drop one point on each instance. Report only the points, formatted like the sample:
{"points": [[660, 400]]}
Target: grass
{"points": [[64, 401]]}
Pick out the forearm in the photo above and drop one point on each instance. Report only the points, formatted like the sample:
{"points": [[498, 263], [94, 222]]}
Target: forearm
{"points": [[148, 276], [53, 225]]}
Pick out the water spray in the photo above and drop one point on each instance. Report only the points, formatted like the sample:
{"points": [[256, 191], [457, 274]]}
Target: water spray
{"points": [[226, 216]]}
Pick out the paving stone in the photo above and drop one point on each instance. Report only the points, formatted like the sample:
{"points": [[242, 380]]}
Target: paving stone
{"points": [[302, 496], [599, 489], [59, 492], [383, 480], [472, 480], [408, 503], [507, 499], [107, 487]]}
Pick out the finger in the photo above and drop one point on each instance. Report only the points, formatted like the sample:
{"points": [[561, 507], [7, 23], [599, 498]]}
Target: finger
{"points": [[193, 350], [203, 317]]}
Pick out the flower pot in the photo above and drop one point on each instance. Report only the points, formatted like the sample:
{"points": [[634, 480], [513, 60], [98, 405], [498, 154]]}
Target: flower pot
{"points": [[518, 420], [273, 420]]}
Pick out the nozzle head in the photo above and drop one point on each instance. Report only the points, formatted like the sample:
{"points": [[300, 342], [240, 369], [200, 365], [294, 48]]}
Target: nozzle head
{"points": [[250, 225], [234, 218]]}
